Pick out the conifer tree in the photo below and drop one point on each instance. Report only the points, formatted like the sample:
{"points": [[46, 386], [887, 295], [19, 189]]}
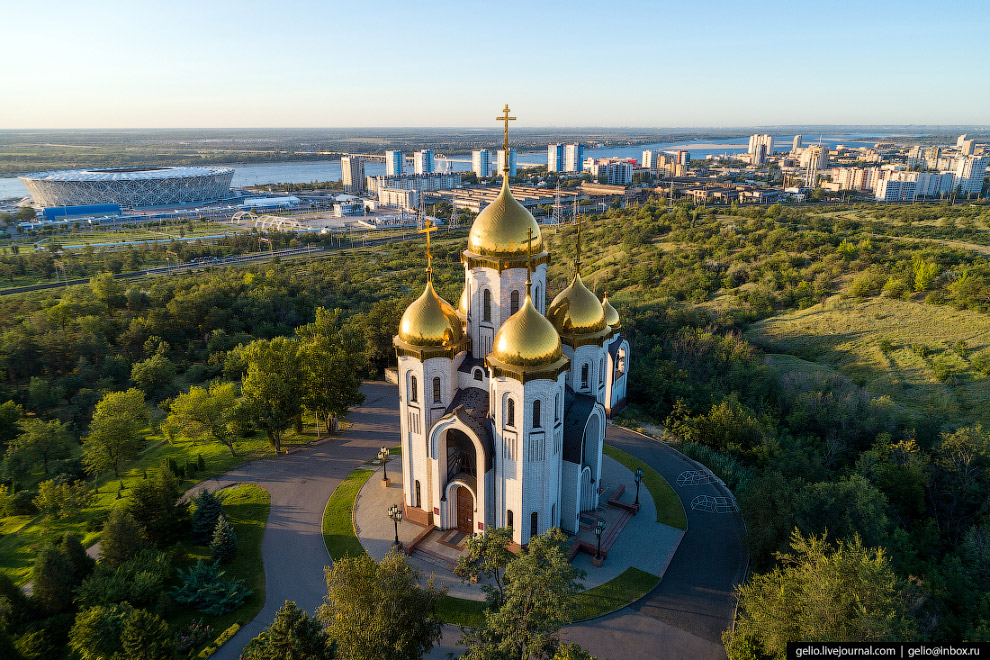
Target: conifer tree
{"points": [[208, 509], [224, 544]]}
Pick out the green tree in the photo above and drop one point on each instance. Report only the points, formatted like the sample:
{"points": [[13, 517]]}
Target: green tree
{"points": [[95, 635], [273, 386], [62, 313], [107, 290], [224, 544], [42, 441], [146, 636], [821, 592], [208, 508], [53, 577], [121, 538], [115, 434], [210, 413], [331, 383], [924, 273], [10, 427], [155, 375], [157, 509], [377, 610], [139, 581], [487, 555], [42, 396], [540, 586], [62, 499], [292, 636]]}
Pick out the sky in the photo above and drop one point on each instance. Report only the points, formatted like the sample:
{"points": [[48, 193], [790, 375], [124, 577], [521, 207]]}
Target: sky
{"points": [[615, 63]]}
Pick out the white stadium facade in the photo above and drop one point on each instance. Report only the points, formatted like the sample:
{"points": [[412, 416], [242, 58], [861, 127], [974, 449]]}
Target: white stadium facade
{"points": [[129, 187]]}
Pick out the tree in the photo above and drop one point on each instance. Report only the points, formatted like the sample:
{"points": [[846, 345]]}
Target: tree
{"points": [[10, 417], [378, 610], [154, 375], [488, 555], [62, 499], [224, 543], [821, 592], [53, 577], [121, 538], [107, 290], [540, 585], [146, 636], [157, 509], [273, 386], [210, 413], [140, 581], [332, 384], [44, 441], [292, 636], [208, 509], [115, 435], [95, 635]]}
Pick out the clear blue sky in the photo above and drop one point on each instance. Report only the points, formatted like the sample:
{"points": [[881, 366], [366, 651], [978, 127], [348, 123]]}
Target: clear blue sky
{"points": [[220, 63]]}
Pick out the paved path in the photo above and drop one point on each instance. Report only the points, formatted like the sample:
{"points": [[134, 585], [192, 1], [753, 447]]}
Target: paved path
{"points": [[300, 485]]}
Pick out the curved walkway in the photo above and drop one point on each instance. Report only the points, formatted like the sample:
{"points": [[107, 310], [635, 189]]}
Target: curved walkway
{"points": [[684, 615]]}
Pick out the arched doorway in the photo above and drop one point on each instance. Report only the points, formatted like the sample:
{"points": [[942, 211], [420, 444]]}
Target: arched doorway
{"points": [[465, 510], [587, 494]]}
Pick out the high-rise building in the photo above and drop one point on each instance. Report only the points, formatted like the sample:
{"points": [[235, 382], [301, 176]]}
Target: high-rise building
{"points": [[394, 162], [797, 144], [814, 159], [962, 138], [970, 171], [421, 182], [896, 190], [683, 157], [555, 157], [855, 178], [573, 157], [967, 147], [760, 146], [481, 163], [613, 171], [352, 173], [500, 159], [423, 161]]}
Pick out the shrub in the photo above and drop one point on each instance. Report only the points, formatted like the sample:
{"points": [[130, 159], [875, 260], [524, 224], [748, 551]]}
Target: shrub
{"points": [[219, 641], [921, 350], [204, 588], [935, 298], [866, 284], [981, 362], [193, 636], [62, 500], [224, 543], [20, 503], [895, 288], [139, 581], [886, 345]]}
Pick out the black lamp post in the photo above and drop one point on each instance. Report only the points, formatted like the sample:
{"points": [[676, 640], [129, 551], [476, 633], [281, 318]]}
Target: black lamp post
{"points": [[395, 513], [599, 530], [383, 457], [639, 478]]}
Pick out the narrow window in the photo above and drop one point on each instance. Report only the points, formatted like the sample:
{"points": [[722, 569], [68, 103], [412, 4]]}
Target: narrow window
{"points": [[601, 371], [537, 300], [413, 395], [513, 302], [508, 519], [553, 515], [584, 375], [477, 374], [436, 390], [488, 305], [536, 414], [510, 415], [534, 528], [556, 407], [419, 503]]}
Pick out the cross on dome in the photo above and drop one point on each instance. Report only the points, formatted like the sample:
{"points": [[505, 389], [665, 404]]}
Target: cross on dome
{"points": [[505, 142], [428, 228]]}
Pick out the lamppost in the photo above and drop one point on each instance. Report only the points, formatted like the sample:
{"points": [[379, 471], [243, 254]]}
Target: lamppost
{"points": [[383, 457], [639, 478], [395, 513], [599, 530]]}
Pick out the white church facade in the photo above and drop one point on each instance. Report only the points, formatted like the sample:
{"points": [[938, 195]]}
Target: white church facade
{"points": [[503, 401]]}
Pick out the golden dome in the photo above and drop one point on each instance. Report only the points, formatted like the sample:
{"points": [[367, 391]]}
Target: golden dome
{"points": [[502, 228], [462, 305], [611, 315], [527, 339], [430, 321], [576, 310]]}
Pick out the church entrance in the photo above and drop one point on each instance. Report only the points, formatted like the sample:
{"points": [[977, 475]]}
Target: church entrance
{"points": [[465, 510]]}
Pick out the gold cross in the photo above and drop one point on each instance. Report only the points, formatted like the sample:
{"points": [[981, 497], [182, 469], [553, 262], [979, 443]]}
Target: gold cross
{"points": [[529, 261], [505, 143], [428, 228], [577, 260]]}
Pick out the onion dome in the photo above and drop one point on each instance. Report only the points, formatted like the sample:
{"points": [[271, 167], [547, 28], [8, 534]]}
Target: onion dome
{"points": [[527, 339], [611, 315], [430, 321], [502, 228], [576, 310]]}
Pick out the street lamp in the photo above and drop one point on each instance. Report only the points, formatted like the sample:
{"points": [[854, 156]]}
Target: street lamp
{"points": [[383, 457], [395, 513], [639, 478], [599, 530]]}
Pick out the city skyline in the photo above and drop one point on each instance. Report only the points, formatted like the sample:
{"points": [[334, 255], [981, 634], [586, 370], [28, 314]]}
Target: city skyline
{"points": [[114, 65]]}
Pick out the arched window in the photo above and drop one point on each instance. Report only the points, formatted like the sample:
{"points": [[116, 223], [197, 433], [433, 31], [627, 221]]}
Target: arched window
{"points": [[513, 302], [584, 375], [478, 375], [413, 394], [536, 414], [510, 413], [419, 503], [556, 407], [487, 307], [601, 371], [436, 390], [508, 519], [534, 526], [536, 298]]}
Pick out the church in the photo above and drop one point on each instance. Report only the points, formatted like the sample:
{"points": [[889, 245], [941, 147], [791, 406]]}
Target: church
{"points": [[503, 401]]}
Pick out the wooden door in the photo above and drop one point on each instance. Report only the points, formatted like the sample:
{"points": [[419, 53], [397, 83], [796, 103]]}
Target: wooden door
{"points": [[465, 510]]}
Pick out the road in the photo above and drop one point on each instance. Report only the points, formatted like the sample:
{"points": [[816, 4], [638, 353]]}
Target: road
{"points": [[684, 615]]}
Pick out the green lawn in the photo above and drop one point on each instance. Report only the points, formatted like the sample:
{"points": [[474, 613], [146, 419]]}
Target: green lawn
{"points": [[615, 594], [247, 508], [338, 523], [669, 508], [461, 611]]}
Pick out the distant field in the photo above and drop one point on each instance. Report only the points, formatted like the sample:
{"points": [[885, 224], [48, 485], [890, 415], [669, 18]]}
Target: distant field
{"points": [[881, 343]]}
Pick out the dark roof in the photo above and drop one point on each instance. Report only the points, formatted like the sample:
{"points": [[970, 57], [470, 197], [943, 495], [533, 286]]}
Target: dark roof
{"points": [[470, 406], [470, 364], [577, 409], [613, 348]]}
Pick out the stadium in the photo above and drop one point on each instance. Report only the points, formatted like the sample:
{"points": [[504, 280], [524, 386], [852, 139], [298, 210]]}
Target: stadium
{"points": [[129, 187]]}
